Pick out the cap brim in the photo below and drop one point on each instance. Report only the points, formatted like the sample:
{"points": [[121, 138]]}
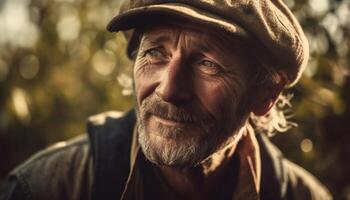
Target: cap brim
{"points": [[138, 16]]}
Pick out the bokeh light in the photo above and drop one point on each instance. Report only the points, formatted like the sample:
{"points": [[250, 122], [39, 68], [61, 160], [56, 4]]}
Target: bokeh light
{"points": [[319, 6], [68, 27], [20, 104], [103, 62], [29, 67], [16, 27], [306, 145]]}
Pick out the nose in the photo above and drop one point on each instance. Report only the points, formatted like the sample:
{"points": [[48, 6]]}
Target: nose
{"points": [[176, 83]]}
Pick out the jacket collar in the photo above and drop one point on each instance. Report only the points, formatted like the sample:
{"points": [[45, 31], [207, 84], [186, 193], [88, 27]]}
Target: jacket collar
{"points": [[274, 178], [110, 138]]}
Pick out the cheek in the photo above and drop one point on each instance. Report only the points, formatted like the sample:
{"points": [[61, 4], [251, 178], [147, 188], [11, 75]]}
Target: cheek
{"points": [[221, 98], [145, 83]]}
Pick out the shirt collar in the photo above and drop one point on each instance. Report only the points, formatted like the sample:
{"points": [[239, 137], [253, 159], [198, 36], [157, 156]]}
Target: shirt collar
{"points": [[134, 181], [250, 166]]}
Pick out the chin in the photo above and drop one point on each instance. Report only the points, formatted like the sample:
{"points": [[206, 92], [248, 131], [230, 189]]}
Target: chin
{"points": [[176, 148]]}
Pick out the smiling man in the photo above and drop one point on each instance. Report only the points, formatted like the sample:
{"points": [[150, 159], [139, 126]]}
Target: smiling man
{"points": [[208, 76], [192, 88]]}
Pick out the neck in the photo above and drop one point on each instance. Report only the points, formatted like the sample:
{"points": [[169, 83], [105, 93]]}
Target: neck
{"points": [[204, 178]]}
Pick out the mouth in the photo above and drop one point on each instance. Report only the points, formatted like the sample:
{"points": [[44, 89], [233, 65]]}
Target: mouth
{"points": [[169, 122]]}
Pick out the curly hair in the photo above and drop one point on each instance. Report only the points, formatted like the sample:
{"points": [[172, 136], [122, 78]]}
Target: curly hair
{"points": [[277, 119]]}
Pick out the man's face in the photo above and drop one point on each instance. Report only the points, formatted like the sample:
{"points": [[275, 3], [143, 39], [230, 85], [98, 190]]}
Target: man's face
{"points": [[191, 89]]}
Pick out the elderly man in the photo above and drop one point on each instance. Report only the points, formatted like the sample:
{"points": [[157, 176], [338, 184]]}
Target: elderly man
{"points": [[208, 74]]}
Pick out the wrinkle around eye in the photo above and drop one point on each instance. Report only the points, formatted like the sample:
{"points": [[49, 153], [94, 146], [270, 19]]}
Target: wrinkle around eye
{"points": [[210, 67], [159, 58], [141, 64], [238, 79]]}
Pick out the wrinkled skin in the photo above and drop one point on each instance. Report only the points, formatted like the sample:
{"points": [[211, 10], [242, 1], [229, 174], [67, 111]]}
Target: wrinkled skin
{"points": [[192, 91]]}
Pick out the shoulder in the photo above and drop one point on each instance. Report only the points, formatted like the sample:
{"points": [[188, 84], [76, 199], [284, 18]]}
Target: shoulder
{"points": [[68, 170], [64, 150], [57, 170]]}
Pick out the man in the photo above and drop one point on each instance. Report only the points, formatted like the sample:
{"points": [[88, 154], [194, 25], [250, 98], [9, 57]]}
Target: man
{"points": [[207, 78]]}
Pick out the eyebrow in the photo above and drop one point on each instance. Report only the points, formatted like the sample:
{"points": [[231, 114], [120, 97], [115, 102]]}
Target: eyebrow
{"points": [[159, 38], [156, 39]]}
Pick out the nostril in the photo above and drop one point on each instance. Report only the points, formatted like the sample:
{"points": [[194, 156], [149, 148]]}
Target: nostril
{"points": [[166, 91], [173, 91]]}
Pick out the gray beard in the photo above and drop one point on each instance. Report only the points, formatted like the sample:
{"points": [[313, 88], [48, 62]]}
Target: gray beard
{"points": [[182, 150], [179, 153]]}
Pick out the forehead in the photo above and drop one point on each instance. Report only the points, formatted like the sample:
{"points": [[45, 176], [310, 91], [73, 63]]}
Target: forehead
{"points": [[199, 36], [173, 29]]}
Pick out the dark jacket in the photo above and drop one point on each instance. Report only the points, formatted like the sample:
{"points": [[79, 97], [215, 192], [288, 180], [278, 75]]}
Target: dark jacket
{"points": [[97, 167]]}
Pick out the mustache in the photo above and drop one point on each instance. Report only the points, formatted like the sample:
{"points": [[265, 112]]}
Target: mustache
{"points": [[154, 105]]}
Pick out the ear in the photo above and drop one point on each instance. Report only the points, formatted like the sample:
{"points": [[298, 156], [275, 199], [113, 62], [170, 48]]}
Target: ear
{"points": [[267, 96]]}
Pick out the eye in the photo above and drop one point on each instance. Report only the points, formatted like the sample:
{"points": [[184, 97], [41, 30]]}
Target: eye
{"points": [[154, 53], [208, 63], [155, 56], [209, 67]]}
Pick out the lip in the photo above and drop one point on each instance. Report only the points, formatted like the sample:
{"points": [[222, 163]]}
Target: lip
{"points": [[169, 122]]}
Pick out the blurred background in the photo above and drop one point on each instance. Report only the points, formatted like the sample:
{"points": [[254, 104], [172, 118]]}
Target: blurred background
{"points": [[58, 65]]}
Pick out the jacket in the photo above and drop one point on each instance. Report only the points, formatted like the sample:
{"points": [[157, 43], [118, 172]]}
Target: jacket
{"points": [[96, 166]]}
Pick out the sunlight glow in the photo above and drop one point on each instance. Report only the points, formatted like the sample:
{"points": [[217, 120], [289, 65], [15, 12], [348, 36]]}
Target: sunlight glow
{"points": [[20, 104], [16, 28]]}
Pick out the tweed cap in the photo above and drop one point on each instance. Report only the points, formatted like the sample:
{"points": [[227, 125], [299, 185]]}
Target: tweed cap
{"points": [[268, 21]]}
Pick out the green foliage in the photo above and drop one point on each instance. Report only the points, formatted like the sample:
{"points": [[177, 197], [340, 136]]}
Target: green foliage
{"points": [[58, 65]]}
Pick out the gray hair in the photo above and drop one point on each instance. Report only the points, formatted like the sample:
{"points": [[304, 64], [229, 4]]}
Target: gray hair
{"points": [[277, 119]]}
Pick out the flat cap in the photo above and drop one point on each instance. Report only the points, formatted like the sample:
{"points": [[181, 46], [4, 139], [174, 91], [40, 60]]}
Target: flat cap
{"points": [[268, 21]]}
